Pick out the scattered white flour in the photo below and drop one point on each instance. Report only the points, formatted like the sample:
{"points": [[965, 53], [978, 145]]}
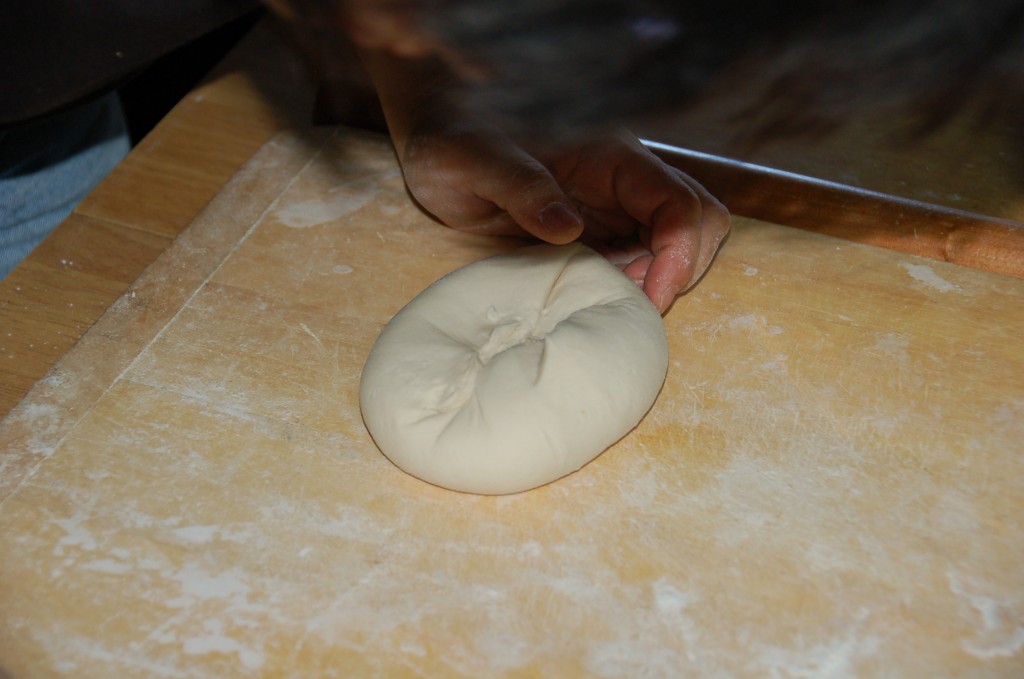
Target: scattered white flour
{"points": [[217, 641], [109, 566], [76, 535], [347, 198], [209, 533], [315, 212], [925, 274], [669, 600], [754, 322], [1000, 633], [197, 584]]}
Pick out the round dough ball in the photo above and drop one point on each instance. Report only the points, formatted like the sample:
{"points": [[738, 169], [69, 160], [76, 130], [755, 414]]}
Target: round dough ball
{"points": [[514, 371]]}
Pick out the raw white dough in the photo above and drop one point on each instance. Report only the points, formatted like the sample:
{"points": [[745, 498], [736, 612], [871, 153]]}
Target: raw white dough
{"points": [[514, 371]]}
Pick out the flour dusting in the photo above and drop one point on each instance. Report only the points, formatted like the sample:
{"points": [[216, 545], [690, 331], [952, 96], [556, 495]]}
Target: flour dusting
{"points": [[316, 212], [1000, 629], [347, 199], [925, 274]]}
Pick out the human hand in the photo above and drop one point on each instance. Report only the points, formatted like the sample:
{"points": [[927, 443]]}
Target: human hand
{"points": [[651, 220]]}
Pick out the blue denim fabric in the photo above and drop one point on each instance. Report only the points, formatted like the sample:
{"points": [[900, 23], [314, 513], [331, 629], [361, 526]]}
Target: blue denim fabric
{"points": [[48, 166]]}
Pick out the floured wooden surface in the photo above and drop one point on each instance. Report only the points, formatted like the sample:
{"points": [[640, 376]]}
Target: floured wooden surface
{"points": [[830, 483]]}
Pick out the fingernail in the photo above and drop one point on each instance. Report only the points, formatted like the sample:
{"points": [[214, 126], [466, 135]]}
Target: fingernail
{"points": [[665, 300], [559, 218]]}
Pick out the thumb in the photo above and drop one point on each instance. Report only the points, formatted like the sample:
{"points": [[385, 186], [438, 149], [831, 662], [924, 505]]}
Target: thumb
{"points": [[557, 222], [534, 200]]}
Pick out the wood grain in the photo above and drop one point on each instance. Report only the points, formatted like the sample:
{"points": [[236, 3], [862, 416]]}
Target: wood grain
{"points": [[126, 222], [51, 299], [827, 483]]}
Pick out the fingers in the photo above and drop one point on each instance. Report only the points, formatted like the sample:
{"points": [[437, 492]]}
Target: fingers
{"points": [[529, 194], [714, 225], [683, 244], [651, 220], [672, 266], [485, 184], [687, 225]]}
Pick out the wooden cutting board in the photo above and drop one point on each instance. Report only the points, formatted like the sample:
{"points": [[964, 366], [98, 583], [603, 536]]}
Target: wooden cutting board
{"points": [[830, 483]]}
